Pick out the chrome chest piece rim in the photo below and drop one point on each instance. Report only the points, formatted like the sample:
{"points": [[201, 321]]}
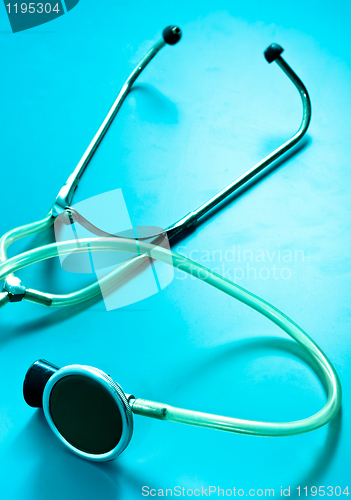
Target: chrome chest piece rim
{"points": [[89, 410]]}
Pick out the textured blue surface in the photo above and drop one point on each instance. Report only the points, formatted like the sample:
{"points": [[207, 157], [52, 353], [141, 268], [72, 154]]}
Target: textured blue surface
{"points": [[202, 113]]}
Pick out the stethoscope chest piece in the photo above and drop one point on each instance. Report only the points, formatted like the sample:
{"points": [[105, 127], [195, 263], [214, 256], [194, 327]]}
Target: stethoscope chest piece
{"points": [[85, 408]]}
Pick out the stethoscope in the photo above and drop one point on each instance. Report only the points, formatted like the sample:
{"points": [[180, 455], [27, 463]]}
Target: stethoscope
{"points": [[84, 407], [14, 290]]}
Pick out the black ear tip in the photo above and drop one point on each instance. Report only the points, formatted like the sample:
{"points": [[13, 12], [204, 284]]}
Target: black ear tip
{"points": [[35, 381], [273, 52], [172, 35]]}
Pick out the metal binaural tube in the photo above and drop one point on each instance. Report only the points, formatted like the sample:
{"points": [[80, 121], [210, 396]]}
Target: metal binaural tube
{"points": [[171, 35], [192, 217], [65, 195]]}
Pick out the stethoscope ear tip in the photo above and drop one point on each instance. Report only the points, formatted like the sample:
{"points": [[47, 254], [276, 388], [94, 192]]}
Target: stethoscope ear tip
{"points": [[172, 35], [273, 52]]}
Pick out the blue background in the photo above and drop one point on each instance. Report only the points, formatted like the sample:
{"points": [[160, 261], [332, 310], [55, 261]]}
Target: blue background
{"points": [[202, 113]]}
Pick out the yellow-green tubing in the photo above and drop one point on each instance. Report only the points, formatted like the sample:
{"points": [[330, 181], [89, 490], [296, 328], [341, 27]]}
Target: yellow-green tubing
{"points": [[60, 300], [166, 412], [21, 232]]}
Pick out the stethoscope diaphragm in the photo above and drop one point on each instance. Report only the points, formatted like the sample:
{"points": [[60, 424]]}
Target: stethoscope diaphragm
{"points": [[83, 406]]}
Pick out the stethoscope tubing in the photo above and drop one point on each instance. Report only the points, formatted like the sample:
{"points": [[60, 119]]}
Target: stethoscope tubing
{"points": [[165, 412]]}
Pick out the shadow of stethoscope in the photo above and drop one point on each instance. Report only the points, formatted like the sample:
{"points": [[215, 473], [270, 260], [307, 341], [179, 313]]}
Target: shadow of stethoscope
{"points": [[156, 107], [106, 475], [240, 348], [67, 473], [49, 266], [58, 474]]}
